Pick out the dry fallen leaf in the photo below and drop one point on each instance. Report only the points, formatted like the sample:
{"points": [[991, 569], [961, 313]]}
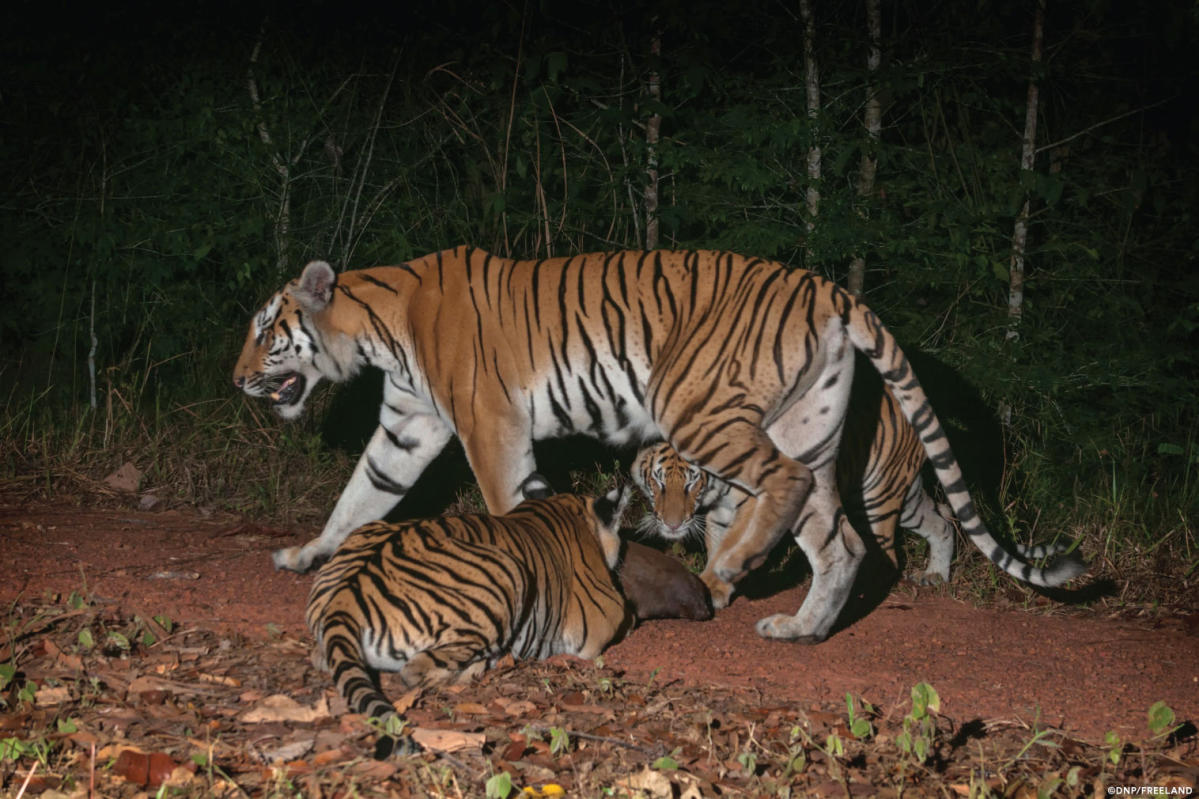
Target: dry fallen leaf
{"points": [[148, 771], [279, 707], [654, 783], [49, 695], [447, 740], [292, 750]]}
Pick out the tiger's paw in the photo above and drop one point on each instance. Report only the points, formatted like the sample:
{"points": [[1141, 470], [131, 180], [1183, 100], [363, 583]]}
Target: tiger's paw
{"points": [[927, 578], [786, 628], [720, 590], [296, 559]]}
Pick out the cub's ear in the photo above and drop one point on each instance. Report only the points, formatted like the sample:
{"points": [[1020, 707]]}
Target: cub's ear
{"points": [[536, 487], [610, 508], [315, 291]]}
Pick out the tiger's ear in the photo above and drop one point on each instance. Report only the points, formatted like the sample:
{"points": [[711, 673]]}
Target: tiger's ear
{"points": [[315, 291], [610, 508]]}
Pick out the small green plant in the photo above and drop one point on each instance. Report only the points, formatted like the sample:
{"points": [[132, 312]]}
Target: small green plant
{"points": [[859, 727], [14, 749], [919, 727], [8, 672], [748, 761], [834, 746], [1161, 720], [797, 753], [87, 641], [117, 642], [498, 786], [559, 741], [668, 762]]}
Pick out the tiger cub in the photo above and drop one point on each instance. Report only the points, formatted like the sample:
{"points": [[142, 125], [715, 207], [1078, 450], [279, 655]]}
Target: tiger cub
{"points": [[878, 475], [442, 599]]}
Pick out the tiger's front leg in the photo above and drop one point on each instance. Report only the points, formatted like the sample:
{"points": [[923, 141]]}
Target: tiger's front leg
{"points": [[719, 519], [749, 459], [398, 452], [500, 450]]}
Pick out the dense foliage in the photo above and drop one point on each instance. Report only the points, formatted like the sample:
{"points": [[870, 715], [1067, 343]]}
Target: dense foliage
{"points": [[163, 170]]}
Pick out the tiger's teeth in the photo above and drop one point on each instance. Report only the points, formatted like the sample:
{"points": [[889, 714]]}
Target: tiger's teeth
{"points": [[275, 395]]}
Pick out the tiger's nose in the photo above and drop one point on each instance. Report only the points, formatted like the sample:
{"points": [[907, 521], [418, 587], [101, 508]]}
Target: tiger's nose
{"points": [[238, 381]]}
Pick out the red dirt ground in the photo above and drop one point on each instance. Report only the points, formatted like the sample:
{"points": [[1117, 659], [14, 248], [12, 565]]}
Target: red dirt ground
{"points": [[1055, 666]]}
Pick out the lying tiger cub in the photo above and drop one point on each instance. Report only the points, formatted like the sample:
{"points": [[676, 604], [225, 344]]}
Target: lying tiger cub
{"points": [[442, 599]]}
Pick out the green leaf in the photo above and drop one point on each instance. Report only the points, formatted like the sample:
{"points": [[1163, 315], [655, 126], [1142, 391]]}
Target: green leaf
{"points": [[67, 726], [1114, 745], [665, 763], [1161, 717], [7, 672], [498, 786], [860, 728], [925, 700], [559, 741], [119, 641], [86, 640]]}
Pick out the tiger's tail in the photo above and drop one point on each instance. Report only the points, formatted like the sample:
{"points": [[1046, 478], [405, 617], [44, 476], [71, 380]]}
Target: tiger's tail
{"points": [[873, 340], [340, 642]]}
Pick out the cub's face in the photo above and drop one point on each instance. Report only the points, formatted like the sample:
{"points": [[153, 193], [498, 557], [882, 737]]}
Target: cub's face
{"points": [[279, 360], [674, 488]]}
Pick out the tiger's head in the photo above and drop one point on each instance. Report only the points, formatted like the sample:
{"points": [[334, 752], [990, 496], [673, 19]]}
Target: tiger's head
{"points": [[674, 489], [287, 349], [604, 513]]}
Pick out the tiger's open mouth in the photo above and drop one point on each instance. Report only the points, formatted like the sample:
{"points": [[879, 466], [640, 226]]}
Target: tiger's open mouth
{"points": [[289, 390]]}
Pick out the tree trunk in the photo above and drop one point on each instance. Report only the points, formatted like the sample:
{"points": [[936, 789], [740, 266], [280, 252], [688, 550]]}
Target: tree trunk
{"points": [[1027, 157], [812, 86], [652, 130], [874, 123]]}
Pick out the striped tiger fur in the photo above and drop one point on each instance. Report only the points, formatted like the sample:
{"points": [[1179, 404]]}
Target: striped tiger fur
{"points": [[440, 600], [878, 476], [719, 354]]}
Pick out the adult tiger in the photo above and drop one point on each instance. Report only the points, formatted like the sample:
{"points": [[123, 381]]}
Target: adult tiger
{"points": [[442, 599], [878, 475], [720, 354]]}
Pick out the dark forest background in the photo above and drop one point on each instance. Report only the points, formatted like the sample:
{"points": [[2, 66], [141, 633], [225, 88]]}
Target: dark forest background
{"points": [[165, 168]]}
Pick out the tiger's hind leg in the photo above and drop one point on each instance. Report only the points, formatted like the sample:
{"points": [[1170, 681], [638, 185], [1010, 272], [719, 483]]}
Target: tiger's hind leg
{"points": [[457, 662], [922, 516], [834, 550]]}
